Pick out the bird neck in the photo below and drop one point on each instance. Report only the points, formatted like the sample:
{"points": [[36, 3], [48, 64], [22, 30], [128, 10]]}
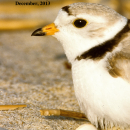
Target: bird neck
{"points": [[75, 45], [100, 51]]}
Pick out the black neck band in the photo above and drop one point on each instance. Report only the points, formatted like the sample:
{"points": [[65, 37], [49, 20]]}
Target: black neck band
{"points": [[99, 51]]}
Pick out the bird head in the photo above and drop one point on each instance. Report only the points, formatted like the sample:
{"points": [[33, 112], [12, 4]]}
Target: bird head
{"points": [[81, 26]]}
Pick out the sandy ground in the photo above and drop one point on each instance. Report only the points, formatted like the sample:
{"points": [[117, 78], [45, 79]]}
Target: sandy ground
{"points": [[32, 72]]}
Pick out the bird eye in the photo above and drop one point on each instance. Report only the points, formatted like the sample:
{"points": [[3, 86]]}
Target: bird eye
{"points": [[79, 23]]}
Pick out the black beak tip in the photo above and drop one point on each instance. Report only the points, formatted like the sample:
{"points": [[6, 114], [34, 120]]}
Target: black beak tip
{"points": [[38, 32]]}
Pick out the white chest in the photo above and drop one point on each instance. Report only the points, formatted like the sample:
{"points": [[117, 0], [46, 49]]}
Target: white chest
{"points": [[101, 96]]}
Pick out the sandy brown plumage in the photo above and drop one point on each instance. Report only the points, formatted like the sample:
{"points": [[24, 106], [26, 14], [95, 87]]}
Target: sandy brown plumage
{"points": [[119, 63]]}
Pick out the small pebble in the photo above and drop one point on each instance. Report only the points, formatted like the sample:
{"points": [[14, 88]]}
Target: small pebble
{"points": [[86, 127]]}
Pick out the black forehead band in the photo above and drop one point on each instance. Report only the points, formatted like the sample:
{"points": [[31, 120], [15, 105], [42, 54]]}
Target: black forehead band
{"points": [[66, 9]]}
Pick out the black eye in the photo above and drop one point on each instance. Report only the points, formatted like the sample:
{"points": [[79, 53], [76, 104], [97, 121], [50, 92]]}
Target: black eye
{"points": [[79, 23]]}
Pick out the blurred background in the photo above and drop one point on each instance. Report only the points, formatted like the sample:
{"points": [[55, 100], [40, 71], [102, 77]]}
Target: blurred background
{"points": [[14, 17]]}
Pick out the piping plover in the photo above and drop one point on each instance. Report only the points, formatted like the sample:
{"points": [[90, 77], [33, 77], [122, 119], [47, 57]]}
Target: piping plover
{"points": [[96, 41]]}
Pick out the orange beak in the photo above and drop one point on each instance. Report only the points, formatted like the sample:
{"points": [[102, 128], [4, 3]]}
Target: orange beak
{"points": [[47, 30]]}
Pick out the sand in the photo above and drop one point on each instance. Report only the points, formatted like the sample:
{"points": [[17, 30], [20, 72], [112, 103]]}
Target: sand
{"points": [[32, 72]]}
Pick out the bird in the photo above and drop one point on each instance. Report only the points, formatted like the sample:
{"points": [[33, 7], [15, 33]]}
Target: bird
{"points": [[96, 41]]}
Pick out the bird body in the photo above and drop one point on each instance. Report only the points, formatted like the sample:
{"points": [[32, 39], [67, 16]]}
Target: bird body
{"points": [[96, 41], [107, 100]]}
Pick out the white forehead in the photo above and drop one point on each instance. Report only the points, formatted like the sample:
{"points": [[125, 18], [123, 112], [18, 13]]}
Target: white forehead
{"points": [[63, 18]]}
